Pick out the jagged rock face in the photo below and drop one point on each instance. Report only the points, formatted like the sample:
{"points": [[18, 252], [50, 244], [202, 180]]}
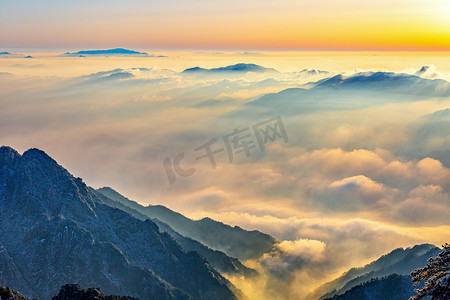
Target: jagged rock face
{"points": [[9, 294], [57, 233], [75, 292]]}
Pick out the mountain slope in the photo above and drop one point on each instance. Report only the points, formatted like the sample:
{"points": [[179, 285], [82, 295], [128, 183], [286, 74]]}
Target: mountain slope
{"points": [[234, 241], [218, 260], [392, 287], [399, 261], [9, 270], [58, 232]]}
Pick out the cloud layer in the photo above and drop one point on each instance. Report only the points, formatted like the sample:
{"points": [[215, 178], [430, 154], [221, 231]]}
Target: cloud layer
{"points": [[354, 177]]}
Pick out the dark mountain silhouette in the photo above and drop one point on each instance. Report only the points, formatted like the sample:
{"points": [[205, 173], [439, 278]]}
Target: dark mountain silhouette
{"points": [[392, 287], [399, 261], [234, 241], [59, 232], [237, 68], [111, 52]]}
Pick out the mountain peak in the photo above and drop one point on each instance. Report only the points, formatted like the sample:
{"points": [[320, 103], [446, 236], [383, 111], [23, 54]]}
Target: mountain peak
{"points": [[7, 149], [108, 189], [45, 186], [7, 154], [35, 153]]}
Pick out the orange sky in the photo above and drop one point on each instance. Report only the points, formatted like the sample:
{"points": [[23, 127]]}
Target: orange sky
{"points": [[194, 24]]}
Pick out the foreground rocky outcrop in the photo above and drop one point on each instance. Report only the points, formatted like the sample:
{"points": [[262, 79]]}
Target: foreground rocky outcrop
{"points": [[6, 293], [75, 292], [67, 292]]}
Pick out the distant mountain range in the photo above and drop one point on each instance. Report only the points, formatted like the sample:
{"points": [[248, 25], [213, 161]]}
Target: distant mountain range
{"points": [[388, 82], [237, 68], [234, 241], [108, 52], [340, 92], [55, 231], [6, 54], [218, 259]]}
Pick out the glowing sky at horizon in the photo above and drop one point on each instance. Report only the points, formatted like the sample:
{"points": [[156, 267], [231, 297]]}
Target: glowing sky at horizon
{"points": [[286, 24]]}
